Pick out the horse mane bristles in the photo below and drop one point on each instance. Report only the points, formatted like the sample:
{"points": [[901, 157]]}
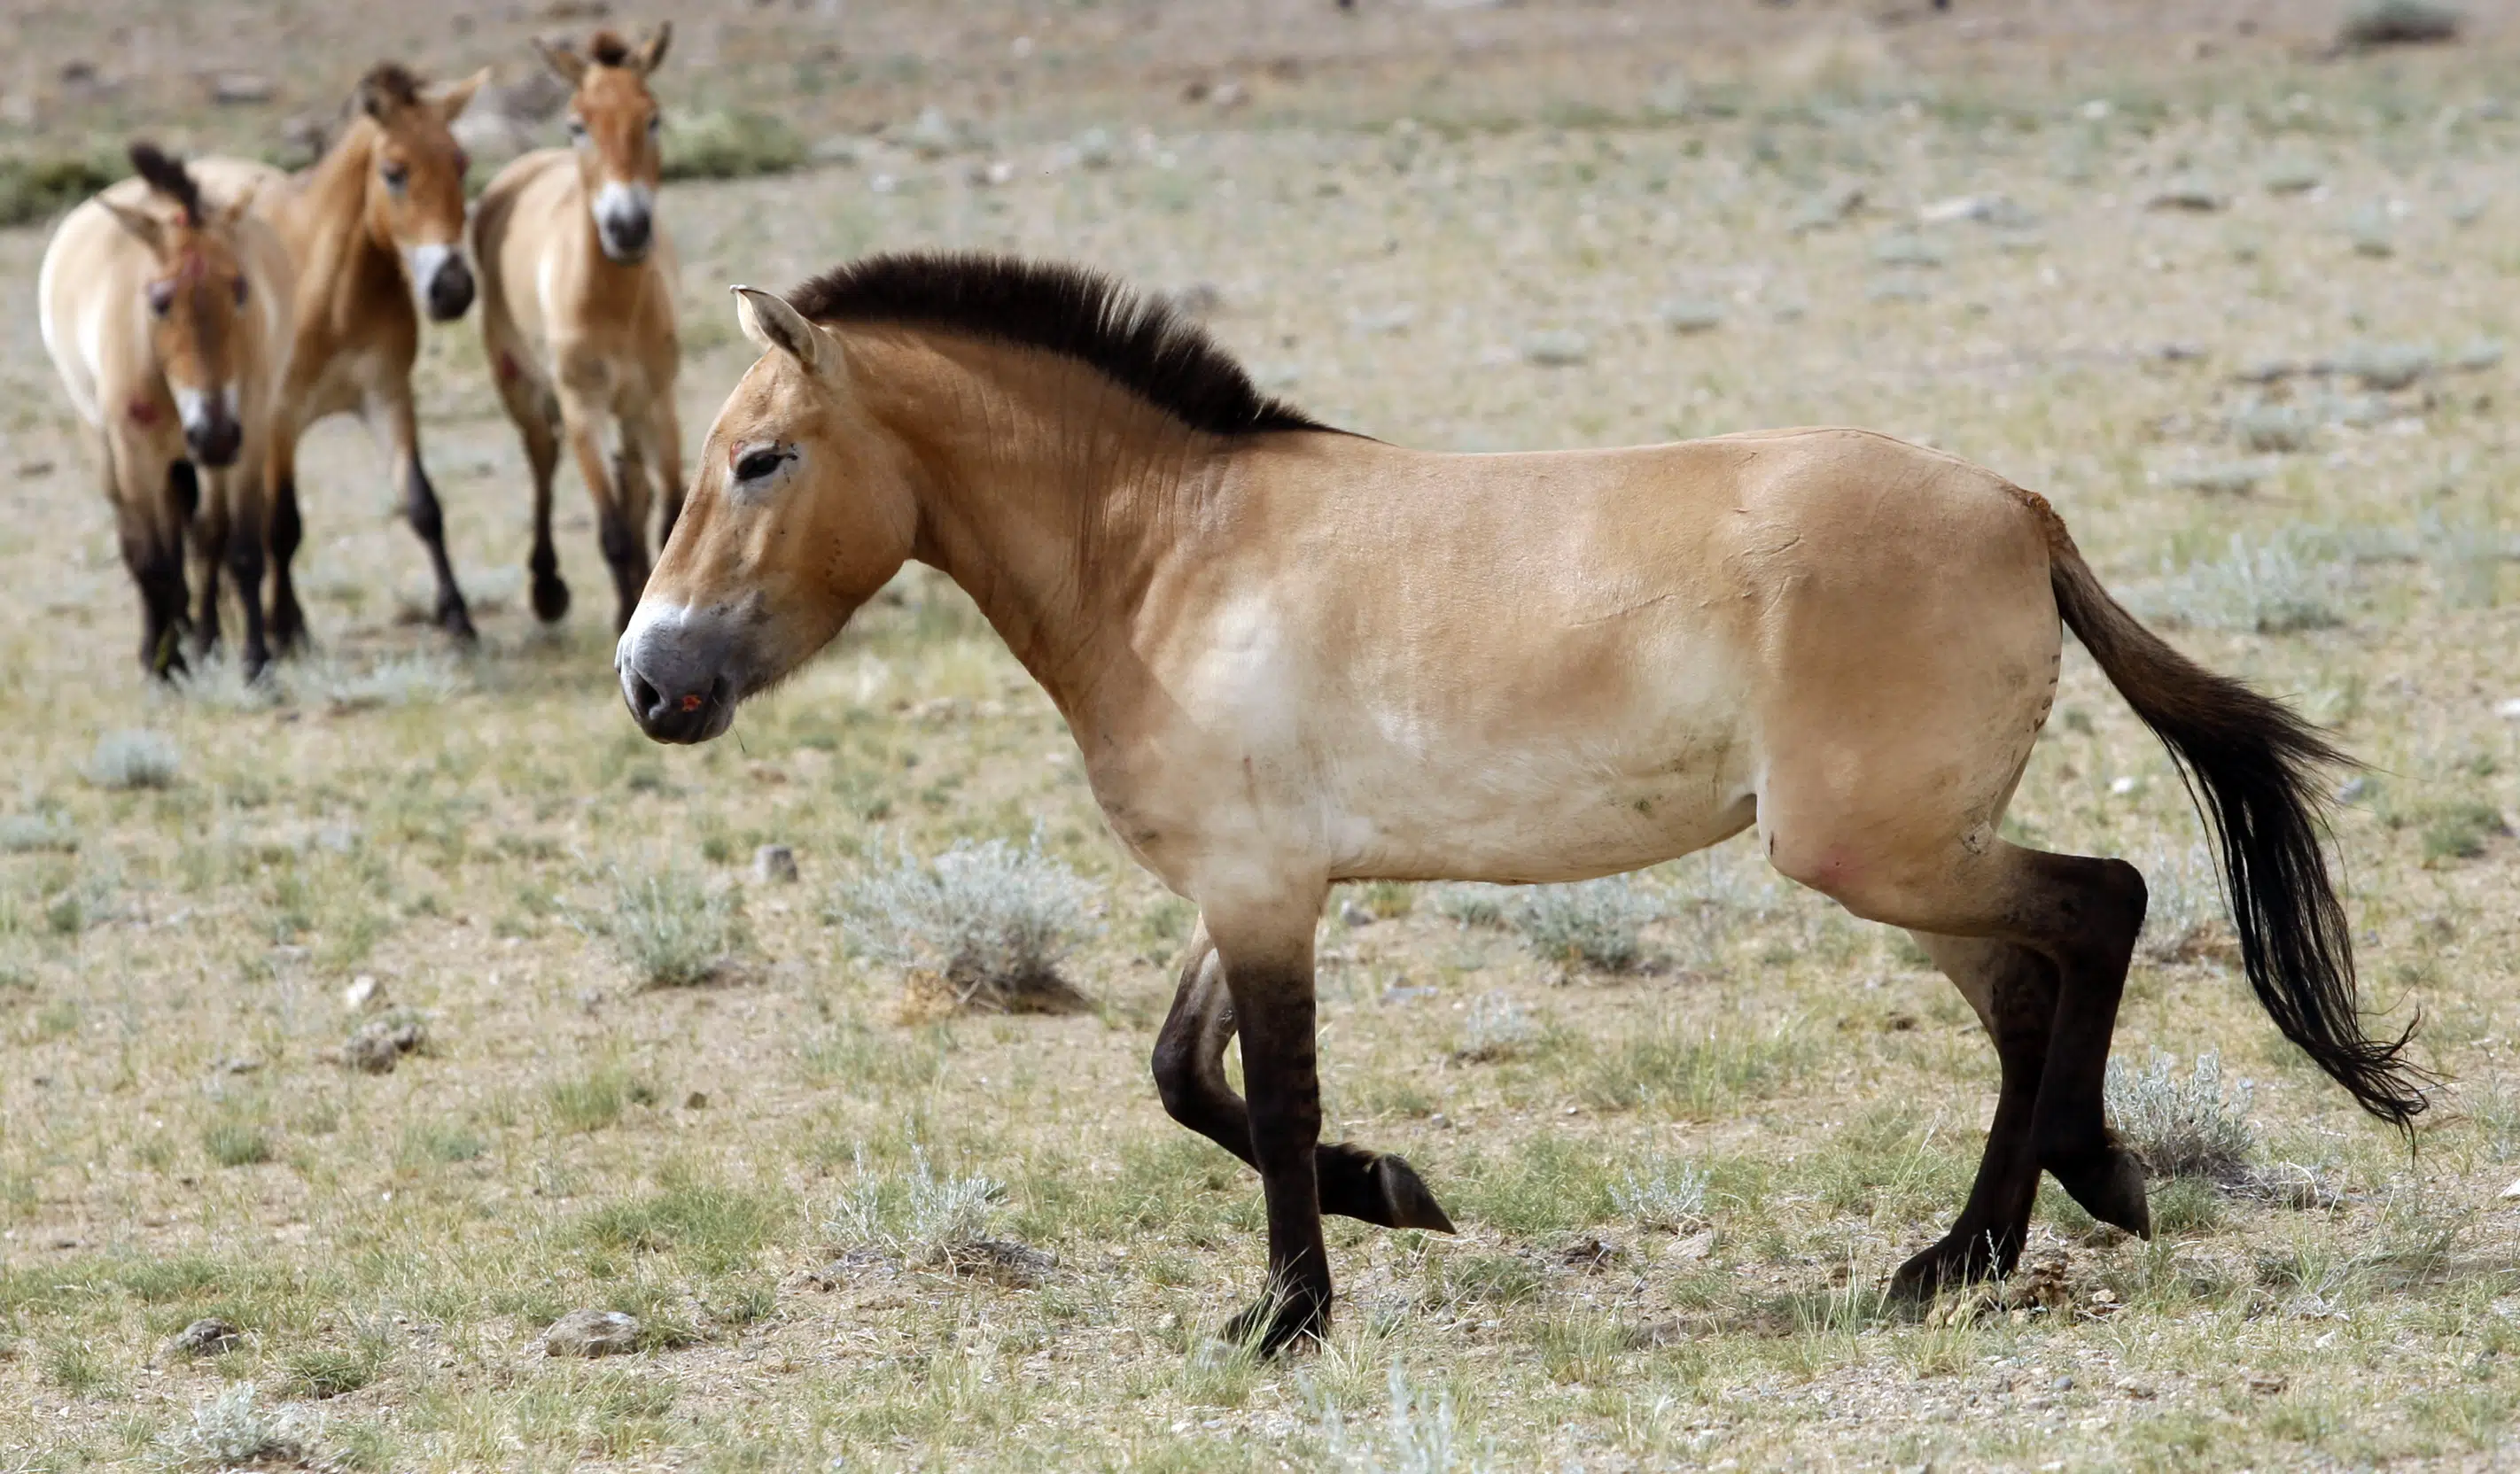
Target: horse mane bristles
{"points": [[166, 174], [608, 49], [389, 82]]}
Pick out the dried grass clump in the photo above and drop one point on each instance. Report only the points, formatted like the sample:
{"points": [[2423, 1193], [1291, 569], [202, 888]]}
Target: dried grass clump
{"points": [[1418, 1435], [233, 1430], [673, 930], [2184, 1127], [1666, 1198], [729, 144], [1596, 923], [422, 679], [1497, 1028], [2184, 919], [2275, 588], [134, 758], [982, 926]]}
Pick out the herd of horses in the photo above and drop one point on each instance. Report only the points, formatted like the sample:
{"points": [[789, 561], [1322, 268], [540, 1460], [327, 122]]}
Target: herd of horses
{"points": [[1293, 657], [204, 315]]}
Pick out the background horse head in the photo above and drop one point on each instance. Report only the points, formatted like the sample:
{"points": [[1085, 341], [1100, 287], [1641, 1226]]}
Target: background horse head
{"points": [[613, 125], [414, 202], [201, 324]]}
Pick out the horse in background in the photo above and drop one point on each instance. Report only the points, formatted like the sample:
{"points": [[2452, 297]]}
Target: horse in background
{"points": [[167, 315], [577, 310], [378, 220]]}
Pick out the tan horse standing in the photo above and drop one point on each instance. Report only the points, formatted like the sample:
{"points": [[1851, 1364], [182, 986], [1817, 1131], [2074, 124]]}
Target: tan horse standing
{"points": [[379, 216], [577, 311], [1294, 657], [167, 318]]}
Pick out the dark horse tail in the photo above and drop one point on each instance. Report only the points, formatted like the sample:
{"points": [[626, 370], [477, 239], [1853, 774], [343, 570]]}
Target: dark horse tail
{"points": [[2253, 767]]}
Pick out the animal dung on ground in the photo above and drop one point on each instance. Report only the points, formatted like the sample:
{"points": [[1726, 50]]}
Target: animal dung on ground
{"points": [[379, 1045], [1003, 1259], [592, 1333], [774, 865], [208, 1337]]}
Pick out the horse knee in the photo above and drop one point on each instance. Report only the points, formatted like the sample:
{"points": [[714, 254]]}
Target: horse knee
{"points": [[287, 530], [1177, 1076], [426, 517], [619, 543]]}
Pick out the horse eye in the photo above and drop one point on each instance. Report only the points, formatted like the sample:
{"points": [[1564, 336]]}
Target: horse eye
{"points": [[395, 176], [655, 124], [240, 291], [577, 129], [161, 297], [758, 463]]}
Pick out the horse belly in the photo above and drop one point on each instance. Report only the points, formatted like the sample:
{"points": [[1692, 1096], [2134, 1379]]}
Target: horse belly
{"points": [[1540, 811]]}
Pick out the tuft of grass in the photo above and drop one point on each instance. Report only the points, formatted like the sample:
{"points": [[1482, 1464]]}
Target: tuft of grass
{"points": [[597, 1099], [2459, 830], [2278, 587], [2186, 1205], [232, 1429], [331, 1372], [134, 758], [33, 188], [438, 1141], [1497, 1028], [1418, 1435], [2185, 917], [1597, 923], [718, 1228], [2183, 1126], [721, 143], [993, 920], [672, 930], [29, 833], [1665, 1198], [421, 679], [76, 1369], [1548, 1184], [1472, 904], [919, 1215], [236, 1140], [1687, 1072]]}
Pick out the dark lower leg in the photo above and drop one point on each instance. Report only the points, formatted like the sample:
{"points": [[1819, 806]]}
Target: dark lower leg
{"points": [[158, 569], [209, 539], [2102, 909], [542, 456], [628, 559], [244, 558], [287, 620], [2018, 991], [427, 521], [1272, 1004], [1354, 1181]]}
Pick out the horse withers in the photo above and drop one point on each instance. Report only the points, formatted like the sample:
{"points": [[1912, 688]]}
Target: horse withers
{"points": [[577, 310], [166, 314], [374, 225], [1294, 657]]}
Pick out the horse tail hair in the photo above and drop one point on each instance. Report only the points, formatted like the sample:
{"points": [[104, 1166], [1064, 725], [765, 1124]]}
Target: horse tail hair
{"points": [[2253, 767], [164, 174]]}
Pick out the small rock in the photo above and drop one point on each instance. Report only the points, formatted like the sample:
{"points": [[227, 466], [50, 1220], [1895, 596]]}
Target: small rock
{"points": [[2371, 234], [2267, 371], [2386, 367], [2512, 1191], [2267, 1383], [379, 1045], [2478, 356], [362, 994], [1691, 315], [1094, 148], [696, 1101], [239, 1064], [1002, 1260], [2355, 786], [1826, 208], [2179, 351], [2281, 429], [2185, 193], [1561, 348], [240, 89], [2291, 176], [1591, 1252], [592, 1333], [1398, 994], [2373, 24], [208, 1337], [774, 865], [2509, 711], [1906, 248], [1352, 914], [2232, 478], [932, 134]]}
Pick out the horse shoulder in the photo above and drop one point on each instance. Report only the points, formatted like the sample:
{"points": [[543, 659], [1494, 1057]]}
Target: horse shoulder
{"points": [[87, 298]]}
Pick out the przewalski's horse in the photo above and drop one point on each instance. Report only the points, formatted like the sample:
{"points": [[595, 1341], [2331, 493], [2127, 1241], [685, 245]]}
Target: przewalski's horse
{"points": [[577, 310], [166, 315], [379, 217], [1294, 657]]}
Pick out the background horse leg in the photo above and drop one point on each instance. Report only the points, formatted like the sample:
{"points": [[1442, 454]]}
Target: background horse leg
{"points": [[151, 537], [535, 412], [391, 410], [208, 512], [621, 538], [241, 492], [2014, 993], [1354, 1181], [286, 532]]}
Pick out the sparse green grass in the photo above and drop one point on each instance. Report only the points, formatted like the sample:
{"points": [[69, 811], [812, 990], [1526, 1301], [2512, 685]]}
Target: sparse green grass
{"points": [[672, 930]]}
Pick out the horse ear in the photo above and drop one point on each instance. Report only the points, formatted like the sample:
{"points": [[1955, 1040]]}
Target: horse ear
{"points": [[226, 219], [454, 96], [652, 55], [151, 229], [566, 63], [766, 318]]}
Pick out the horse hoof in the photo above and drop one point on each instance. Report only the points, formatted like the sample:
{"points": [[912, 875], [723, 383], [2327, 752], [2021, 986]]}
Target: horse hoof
{"points": [[2109, 1185], [551, 599], [1407, 1204], [1945, 1266], [1280, 1322], [457, 621]]}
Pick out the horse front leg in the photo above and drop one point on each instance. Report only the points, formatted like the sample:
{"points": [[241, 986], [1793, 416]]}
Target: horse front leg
{"points": [[623, 540], [1354, 1181], [392, 413], [1267, 958]]}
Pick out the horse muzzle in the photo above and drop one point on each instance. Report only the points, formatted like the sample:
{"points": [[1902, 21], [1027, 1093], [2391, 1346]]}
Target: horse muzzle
{"points": [[676, 675], [445, 281]]}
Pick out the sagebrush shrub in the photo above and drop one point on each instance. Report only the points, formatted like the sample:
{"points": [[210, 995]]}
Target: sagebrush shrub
{"points": [[1598, 923], [134, 758], [672, 930], [994, 919], [2183, 1126]]}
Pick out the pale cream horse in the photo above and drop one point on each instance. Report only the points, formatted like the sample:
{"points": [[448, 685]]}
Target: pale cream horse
{"points": [[377, 220], [1294, 657], [577, 311], [166, 314]]}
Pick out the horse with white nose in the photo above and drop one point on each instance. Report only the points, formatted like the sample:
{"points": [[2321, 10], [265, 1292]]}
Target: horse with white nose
{"points": [[1294, 657]]}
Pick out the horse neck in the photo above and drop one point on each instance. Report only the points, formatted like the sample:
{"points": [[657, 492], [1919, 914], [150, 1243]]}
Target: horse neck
{"points": [[1044, 490], [328, 211]]}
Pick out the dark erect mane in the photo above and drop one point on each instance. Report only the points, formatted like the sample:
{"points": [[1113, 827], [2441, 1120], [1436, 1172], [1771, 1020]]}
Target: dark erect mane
{"points": [[1137, 342], [168, 177], [607, 49]]}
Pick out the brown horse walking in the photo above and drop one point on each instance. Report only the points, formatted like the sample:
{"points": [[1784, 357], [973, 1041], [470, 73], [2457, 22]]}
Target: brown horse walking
{"points": [[577, 311], [1294, 657], [379, 216], [167, 318]]}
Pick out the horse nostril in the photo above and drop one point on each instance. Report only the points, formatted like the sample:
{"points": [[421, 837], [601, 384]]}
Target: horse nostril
{"points": [[645, 699]]}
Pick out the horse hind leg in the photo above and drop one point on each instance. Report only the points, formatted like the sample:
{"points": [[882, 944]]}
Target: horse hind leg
{"points": [[2014, 993], [1370, 1187], [531, 405]]}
